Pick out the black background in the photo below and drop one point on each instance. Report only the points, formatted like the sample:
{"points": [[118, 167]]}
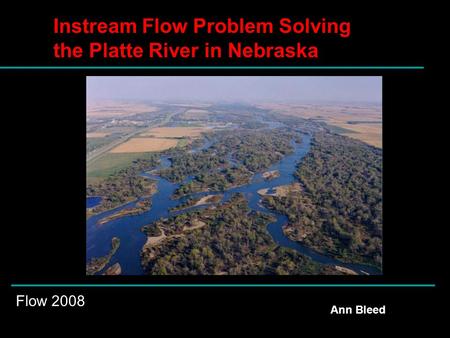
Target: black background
{"points": [[43, 125]]}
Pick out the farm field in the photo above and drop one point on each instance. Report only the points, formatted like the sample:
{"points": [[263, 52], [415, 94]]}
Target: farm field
{"points": [[195, 114], [111, 163], [369, 133], [360, 122], [144, 144], [98, 142], [113, 109], [176, 132], [97, 135]]}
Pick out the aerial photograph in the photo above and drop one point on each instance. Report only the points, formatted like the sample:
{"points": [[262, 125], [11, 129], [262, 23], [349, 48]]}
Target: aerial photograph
{"points": [[234, 175]]}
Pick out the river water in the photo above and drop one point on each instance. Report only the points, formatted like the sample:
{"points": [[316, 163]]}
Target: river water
{"points": [[93, 201], [128, 228]]}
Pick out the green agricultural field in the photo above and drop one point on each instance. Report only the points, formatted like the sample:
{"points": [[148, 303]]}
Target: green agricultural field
{"points": [[110, 163], [93, 143]]}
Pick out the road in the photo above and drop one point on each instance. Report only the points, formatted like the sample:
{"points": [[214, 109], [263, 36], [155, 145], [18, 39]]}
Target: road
{"points": [[103, 150]]}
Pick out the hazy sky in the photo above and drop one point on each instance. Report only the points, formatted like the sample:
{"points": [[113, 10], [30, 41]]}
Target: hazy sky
{"points": [[237, 88]]}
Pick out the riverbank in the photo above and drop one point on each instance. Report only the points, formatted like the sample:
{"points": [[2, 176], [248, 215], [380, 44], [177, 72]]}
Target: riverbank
{"points": [[196, 202], [140, 207], [98, 264], [280, 191], [164, 206], [270, 175]]}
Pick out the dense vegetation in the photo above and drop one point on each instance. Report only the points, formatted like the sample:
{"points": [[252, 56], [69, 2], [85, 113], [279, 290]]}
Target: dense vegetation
{"points": [[185, 164], [339, 211], [140, 207], [97, 264], [257, 150], [215, 181], [230, 161], [295, 122], [233, 240], [97, 142], [335, 207], [236, 113], [124, 186], [190, 202]]}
